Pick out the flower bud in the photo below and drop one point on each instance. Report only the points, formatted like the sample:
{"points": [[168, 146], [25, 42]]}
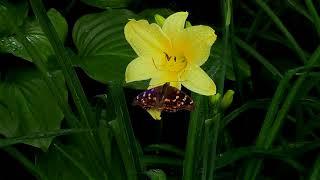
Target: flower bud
{"points": [[227, 99], [215, 98], [159, 19]]}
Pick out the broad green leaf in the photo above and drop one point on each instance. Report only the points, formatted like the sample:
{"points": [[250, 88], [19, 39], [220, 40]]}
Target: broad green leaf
{"points": [[15, 13], [27, 105], [7, 119], [55, 165], [39, 135], [104, 68], [36, 36], [74, 162], [103, 51], [104, 4]]}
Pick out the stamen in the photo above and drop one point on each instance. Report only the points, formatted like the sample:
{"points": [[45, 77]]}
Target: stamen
{"points": [[167, 56]]}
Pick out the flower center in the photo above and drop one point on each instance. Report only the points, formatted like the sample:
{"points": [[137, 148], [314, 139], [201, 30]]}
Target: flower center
{"points": [[171, 63]]}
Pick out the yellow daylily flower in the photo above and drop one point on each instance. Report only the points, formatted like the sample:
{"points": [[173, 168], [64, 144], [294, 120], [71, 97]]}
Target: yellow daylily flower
{"points": [[171, 53]]}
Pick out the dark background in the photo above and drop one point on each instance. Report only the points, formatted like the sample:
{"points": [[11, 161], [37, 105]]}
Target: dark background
{"points": [[173, 127]]}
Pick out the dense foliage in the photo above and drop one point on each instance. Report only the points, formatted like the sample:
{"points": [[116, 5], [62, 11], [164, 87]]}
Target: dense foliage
{"points": [[65, 109]]}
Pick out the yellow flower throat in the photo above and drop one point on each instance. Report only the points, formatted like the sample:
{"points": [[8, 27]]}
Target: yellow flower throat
{"points": [[171, 63]]}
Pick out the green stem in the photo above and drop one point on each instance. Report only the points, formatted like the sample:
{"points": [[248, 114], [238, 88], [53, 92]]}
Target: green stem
{"points": [[131, 154], [73, 83], [64, 61], [195, 131], [213, 154], [205, 149]]}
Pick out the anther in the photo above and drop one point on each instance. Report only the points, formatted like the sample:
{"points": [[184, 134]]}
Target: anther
{"points": [[167, 56]]}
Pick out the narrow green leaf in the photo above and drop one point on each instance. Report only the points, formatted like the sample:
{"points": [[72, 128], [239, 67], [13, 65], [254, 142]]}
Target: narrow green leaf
{"points": [[56, 166], [64, 61], [283, 153], [212, 133], [295, 4], [110, 150], [74, 161], [261, 154], [258, 18], [124, 132], [276, 113], [283, 29], [315, 172], [273, 70], [314, 14], [212, 137], [257, 104], [192, 159]]}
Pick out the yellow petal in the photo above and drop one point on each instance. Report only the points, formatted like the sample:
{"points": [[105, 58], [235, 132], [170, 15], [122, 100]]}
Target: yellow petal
{"points": [[196, 80], [156, 114], [141, 68], [174, 24], [146, 39], [162, 77], [195, 42]]}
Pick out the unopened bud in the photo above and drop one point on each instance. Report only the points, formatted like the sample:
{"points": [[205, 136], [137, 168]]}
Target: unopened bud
{"points": [[227, 99], [159, 19], [215, 98]]}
